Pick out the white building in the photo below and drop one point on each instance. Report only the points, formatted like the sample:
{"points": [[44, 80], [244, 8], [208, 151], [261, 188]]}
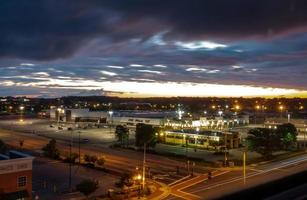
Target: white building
{"points": [[133, 121], [77, 115]]}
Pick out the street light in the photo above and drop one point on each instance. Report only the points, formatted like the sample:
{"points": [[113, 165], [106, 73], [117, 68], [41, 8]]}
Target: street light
{"points": [[220, 113], [21, 108], [237, 107], [281, 108], [244, 167], [60, 110]]}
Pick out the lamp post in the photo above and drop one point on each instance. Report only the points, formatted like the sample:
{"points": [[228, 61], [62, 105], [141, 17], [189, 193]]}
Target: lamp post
{"points": [[21, 108], [220, 113], [144, 163], [70, 160], [59, 114], [111, 119], [244, 167], [281, 108]]}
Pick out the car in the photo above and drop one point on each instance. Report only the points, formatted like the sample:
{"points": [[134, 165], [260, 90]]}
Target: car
{"points": [[51, 126], [60, 128], [84, 140]]}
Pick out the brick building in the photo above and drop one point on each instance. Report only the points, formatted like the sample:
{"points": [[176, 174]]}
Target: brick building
{"points": [[15, 176]]}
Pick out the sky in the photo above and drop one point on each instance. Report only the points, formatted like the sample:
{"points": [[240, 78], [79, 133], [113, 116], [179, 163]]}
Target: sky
{"points": [[142, 48]]}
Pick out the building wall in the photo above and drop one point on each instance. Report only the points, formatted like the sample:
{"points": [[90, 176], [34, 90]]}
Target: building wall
{"points": [[202, 141], [9, 182], [132, 121]]}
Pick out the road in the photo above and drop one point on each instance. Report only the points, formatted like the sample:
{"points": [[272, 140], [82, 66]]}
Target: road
{"points": [[227, 182]]}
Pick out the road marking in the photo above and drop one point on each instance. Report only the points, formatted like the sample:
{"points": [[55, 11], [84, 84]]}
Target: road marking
{"points": [[256, 170], [285, 164], [194, 183], [175, 182], [198, 179]]}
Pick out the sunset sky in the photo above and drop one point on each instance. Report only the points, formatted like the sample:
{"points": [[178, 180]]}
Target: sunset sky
{"points": [[140, 48]]}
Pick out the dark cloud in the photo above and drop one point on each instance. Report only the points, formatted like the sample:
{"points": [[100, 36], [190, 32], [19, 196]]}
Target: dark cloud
{"points": [[46, 30], [227, 19]]}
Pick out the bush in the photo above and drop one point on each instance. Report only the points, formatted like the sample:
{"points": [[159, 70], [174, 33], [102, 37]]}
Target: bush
{"points": [[90, 159], [71, 158], [87, 187], [101, 161]]}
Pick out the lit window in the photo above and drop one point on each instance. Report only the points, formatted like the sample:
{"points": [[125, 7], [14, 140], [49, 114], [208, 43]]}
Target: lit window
{"points": [[22, 181]]}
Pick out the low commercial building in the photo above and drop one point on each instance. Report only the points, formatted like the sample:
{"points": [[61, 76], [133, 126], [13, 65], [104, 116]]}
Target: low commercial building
{"points": [[133, 121], [300, 124], [218, 123], [77, 115], [203, 139], [16, 176], [132, 118]]}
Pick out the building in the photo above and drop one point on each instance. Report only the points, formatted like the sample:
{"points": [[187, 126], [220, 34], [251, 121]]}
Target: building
{"points": [[203, 139], [16, 176], [300, 124], [77, 115], [210, 123], [133, 121]]}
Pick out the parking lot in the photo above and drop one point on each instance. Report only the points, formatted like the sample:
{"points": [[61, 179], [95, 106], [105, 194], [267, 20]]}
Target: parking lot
{"points": [[87, 133]]}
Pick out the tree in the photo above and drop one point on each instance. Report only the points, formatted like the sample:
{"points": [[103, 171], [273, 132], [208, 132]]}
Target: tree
{"points": [[71, 158], [87, 187], [3, 147], [101, 161], [50, 150], [126, 179], [122, 134], [288, 134], [263, 140], [90, 159], [145, 134]]}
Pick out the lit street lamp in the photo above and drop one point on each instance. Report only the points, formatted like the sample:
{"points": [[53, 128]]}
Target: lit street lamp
{"points": [[21, 108], [281, 108], [60, 111], [111, 119], [220, 113]]}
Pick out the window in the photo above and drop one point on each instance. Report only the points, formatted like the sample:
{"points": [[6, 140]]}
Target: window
{"points": [[22, 181]]}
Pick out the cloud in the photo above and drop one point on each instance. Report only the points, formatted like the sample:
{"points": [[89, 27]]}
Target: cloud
{"points": [[47, 30], [77, 44]]}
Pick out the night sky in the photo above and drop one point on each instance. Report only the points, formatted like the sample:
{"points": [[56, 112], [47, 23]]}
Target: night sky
{"points": [[134, 48]]}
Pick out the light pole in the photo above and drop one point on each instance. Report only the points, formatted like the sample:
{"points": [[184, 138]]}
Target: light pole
{"points": [[21, 108], [244, 167], [144, 163], [281, 108], [60, 110], [111, 119], [305, 138], [70, 160]]}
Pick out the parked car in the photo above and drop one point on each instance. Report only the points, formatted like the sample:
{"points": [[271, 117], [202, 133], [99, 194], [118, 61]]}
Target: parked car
{"points": [[84, 140]]}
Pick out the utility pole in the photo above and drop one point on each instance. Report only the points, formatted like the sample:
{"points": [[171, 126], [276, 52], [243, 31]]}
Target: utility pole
{"points": [[144, 165], [186, 155], [244, 167], [70, 149], [305, 139], [225, 151], [79, 149]]}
